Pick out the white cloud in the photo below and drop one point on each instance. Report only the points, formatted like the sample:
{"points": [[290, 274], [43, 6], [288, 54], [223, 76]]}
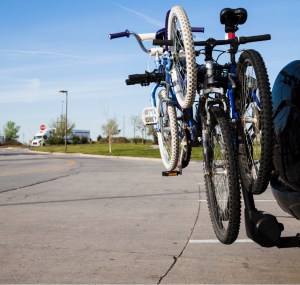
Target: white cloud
{"points": [[35, 90], [38, 53], [147, 18], [33, 83]]}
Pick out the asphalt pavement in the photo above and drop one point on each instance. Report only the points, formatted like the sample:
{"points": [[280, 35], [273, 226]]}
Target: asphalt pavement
{"points": [[88, 219]]}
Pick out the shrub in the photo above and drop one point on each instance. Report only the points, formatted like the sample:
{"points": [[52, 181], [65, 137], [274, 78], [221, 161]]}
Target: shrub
{"points": [[103, 140], [55, 141], [75, 140], [120, 140], [11, 143], [114, 140], [84, 140]]}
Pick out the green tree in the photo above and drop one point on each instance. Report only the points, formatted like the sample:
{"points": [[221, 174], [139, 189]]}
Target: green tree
{"points": [[11, 131], [110, 128], [134, 120], [138, 125], [60, 125], [141, 127], [153, 133]]}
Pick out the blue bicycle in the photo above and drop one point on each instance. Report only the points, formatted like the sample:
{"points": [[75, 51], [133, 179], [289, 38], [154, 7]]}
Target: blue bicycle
{"points": [[174, 91]]}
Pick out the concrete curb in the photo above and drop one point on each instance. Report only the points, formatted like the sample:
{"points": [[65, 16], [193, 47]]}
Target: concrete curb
{"points": [[102, 156], [95, 155]]}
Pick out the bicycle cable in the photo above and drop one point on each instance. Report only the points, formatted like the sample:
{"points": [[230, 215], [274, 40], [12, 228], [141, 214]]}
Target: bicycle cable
{"points": [[139, 40]]}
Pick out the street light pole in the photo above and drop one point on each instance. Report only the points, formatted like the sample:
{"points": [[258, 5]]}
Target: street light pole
{"points": [[62, 108], [66, 122]]}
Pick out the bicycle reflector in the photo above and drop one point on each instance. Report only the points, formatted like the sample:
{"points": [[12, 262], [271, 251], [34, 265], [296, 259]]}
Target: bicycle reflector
{"points": [[149, 116]]}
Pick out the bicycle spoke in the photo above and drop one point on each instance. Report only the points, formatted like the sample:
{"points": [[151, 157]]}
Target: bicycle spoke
{"points": [[255, 111], [222, 186]]}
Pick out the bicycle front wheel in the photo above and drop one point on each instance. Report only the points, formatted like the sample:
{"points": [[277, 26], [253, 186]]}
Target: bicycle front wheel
{"points": [[221, 177], [183, 73], [167, 132], [256, 125]]}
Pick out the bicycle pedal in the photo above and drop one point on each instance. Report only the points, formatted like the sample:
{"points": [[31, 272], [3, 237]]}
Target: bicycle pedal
{"points": [[149, 116], [171, 173]]}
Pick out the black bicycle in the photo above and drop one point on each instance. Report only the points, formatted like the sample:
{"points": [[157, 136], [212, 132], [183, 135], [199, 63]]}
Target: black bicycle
{"points": [[236, 113]]}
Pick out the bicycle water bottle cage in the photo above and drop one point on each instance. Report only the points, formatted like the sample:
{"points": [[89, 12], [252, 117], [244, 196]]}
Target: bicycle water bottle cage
{"points": [[231, 18], [149, 116]]}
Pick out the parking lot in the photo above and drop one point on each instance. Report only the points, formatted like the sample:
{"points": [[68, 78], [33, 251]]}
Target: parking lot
{"points": [[84, 219]]}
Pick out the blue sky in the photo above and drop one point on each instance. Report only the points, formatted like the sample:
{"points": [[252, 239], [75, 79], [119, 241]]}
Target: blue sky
{"points": [[50, 45]]}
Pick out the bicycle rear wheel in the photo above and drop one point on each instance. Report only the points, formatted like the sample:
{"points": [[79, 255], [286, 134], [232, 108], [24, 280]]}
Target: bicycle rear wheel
{"points": [[183, 73], [221, 177], [256, 125], [167, 132]]}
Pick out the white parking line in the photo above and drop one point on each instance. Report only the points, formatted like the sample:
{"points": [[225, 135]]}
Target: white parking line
{"points": [[217, 241], [272, 200]]}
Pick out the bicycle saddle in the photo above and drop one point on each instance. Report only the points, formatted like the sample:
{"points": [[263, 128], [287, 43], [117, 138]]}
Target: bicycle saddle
{"points": [[233, 17]]}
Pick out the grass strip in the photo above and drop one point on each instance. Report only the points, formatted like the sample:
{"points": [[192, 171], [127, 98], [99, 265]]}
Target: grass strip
{"points": [[118, 149]]}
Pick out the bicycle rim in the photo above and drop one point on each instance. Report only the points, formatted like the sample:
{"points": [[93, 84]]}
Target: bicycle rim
{"points": [[221, 178], [168, 132], [255, 108], [183, 71]]}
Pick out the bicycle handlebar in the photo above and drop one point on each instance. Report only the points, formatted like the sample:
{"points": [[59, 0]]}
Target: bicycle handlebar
{"points": [[119, 35], [213, 42], [259, 38], [137, 37], [237, 40], [127, 33]]}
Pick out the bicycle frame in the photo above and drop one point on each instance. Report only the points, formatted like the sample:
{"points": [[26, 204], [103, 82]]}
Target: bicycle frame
{"points": [[231, 80], [164, 62], [232, 89]]}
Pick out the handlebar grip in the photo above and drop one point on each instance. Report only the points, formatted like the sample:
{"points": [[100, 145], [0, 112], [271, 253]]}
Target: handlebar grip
{"points": [[119, 35], [162, 42], [129, 82], [136, 77], [244, 40], [197, 29], [145, 79]]}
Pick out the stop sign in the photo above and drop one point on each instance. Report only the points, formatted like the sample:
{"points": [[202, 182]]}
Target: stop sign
{"points": [[42, 127]]}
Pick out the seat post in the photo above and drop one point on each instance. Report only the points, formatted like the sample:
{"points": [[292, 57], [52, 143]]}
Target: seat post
{"points": [[229, 35], [231, 18]]}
